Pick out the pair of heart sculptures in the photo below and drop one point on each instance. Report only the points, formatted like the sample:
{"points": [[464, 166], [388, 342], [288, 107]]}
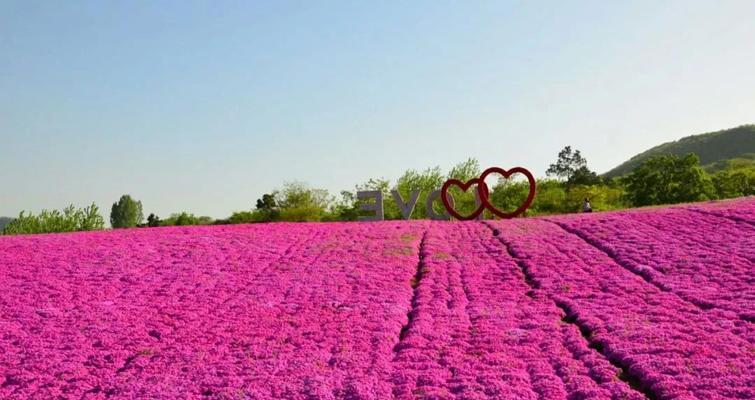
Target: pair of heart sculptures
{"points": [[483, 193]]}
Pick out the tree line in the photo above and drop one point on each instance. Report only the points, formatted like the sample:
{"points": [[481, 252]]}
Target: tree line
{"points": [[663, 179]]}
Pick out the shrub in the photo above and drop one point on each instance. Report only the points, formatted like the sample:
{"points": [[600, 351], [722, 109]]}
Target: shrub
{"points": [[184, 219], [70, 219]]}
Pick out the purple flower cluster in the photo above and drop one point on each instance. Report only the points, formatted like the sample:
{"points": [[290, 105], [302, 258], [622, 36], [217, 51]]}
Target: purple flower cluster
{"points": [[653, 303]]}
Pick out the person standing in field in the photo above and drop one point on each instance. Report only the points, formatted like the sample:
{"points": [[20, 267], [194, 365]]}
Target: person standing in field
{"points": [[586, 207]]}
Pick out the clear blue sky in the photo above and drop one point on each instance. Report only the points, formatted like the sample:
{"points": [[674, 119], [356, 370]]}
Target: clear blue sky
{"points": [[203, 107]]}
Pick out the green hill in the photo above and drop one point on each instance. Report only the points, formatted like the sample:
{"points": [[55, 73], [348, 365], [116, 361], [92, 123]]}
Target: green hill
{"points": [[715, 149]]}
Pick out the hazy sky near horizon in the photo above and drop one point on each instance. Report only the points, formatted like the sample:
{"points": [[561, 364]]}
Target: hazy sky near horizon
{"points": [[205, 106]]}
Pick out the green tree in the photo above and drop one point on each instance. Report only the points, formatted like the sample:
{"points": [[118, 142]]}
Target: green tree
{"points": [[426, 181], [667, 180], [465, 170], [567, 164], [267, 208], [298, 202], [89, 219], [345, 209], [731, 183], [185, 218], [550, 197], [583, 176], [126, 213], [153, 221]]}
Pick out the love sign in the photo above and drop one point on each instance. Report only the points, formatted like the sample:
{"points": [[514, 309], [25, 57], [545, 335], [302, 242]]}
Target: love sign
{"points": [[481, 193]]}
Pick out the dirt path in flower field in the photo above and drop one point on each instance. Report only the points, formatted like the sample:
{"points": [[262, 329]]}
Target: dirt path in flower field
{"points": [[651, 303]]}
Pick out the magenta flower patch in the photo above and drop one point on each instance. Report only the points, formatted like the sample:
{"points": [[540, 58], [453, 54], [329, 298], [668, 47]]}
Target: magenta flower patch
{"points": [[653, 303]]}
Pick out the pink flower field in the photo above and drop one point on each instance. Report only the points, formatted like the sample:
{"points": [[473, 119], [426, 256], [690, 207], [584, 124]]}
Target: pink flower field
{"points": [[655, 303]]}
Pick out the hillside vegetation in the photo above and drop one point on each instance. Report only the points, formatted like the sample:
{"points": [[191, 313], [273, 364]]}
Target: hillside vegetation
{"points": [[715, 150]]}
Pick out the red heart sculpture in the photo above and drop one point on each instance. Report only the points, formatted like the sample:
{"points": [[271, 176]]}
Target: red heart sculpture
{"points": [[482, 189], [506, 174]]}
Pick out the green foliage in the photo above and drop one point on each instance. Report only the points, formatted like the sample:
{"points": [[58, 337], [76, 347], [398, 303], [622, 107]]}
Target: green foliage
{"points": [[464, 202], [184, 219], [89, 218], [126, 213], [711, 147], [425, 181], [668, 180], [550, 198], [664, 180], [248, 217], [390, 209], [267, 209], [508, 195], [345, 209], [742, 163], [555, 197], [602, 198], [153, 221], [70, 219], [300, 203], [572, 167], [243, 217], [567, 164], [205, 220], [465, 170], [735, 181], [746, 160], [583, 176], [295, 202]]}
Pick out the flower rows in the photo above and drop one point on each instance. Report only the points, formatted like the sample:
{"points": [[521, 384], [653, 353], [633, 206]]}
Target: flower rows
{"points": [[479, 331], [671, 347], [742, 210], [685, 252], [630, 305], [292, 311]]}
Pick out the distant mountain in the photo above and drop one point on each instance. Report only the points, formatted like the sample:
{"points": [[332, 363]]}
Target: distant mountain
{"points": [[715, 149], [4, 221]]}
